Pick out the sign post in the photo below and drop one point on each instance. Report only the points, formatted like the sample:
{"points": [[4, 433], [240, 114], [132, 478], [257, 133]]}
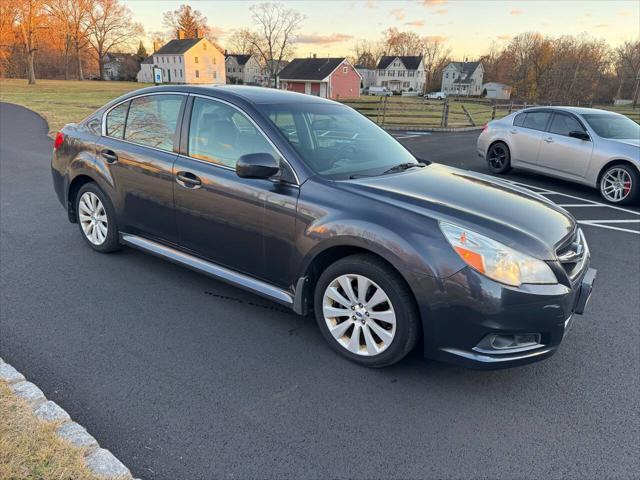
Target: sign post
{"points": [[157, 75]]}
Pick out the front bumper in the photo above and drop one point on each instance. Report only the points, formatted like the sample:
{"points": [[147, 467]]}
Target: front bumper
{"points": [[467, 308]]}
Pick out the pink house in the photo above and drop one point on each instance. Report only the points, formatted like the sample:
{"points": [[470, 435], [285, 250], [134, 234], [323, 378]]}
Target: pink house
{"points": [[324, 77]]}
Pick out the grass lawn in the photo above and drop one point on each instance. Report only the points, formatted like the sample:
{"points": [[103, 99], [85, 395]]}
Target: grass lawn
{"points": [[63, 101], [30, 449]]}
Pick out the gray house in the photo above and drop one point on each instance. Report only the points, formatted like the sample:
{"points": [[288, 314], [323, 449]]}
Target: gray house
{"points": [[243, 69], [463, 78], [121, 66]]}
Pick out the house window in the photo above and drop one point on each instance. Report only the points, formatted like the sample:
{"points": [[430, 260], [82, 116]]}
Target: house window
{"points": [[446, 75], [401, 73], [410, 73], [215, 75], [405, 84], [197, 73], [381, 73], [195, 59], [179, 59], [204, 46], [391, 73], [345, 69], [175, 72]]}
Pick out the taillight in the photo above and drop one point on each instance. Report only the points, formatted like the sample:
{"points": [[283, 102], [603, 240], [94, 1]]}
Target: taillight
{"points": [[58, 141], [486, 127]]}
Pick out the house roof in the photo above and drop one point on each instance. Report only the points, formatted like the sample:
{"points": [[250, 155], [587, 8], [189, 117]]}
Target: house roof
{"points": [[466, 67], [149, 59], [409, 62], [117, 56], [176, 46], [241, 59], [310, 68]]}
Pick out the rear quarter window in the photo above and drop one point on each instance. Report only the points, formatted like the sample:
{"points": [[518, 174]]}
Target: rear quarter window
{"points": [[115, 120], [519, 119]]}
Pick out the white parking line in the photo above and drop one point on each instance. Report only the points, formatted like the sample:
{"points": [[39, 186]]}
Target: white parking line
{"points": [[600, 223]]}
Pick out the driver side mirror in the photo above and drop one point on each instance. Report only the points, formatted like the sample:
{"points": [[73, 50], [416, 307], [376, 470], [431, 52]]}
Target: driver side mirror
{"points": [[579, 135], [257, 165]]}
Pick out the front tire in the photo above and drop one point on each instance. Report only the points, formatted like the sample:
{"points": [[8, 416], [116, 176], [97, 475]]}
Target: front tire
{"points": [[620, 184], [365, 311], [97, 219], [499, 158]]}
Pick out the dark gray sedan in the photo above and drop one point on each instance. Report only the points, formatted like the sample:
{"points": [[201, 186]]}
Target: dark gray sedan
{"points": [[306, 202]]}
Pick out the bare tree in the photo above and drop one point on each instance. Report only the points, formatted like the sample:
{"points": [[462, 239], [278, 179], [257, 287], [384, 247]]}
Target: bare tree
{"points": [[29, 15], [109, 27], [436, 57], [627, 64], [402, 43], [276, 27], [367, 53], [240, 42], [192, 23]]}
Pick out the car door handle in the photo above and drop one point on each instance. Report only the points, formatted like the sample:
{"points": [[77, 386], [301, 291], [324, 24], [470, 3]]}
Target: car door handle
{"points": [[188, 180], [513, 130], [548, 140], [109, 155]]}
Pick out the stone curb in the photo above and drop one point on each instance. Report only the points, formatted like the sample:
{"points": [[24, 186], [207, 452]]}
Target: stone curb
{"points": [[99, 461]]}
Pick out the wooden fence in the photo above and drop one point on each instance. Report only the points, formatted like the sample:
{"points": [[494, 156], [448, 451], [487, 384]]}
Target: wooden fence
{"points": [[420, 113]]}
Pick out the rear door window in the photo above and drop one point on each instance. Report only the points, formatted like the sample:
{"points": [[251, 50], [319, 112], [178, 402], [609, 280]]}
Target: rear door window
{"points": [[562, 124], [536, 120], [153, 120]]}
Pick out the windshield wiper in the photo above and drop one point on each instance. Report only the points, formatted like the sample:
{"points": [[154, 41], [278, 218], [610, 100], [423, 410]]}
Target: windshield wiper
{"points": [[403, 166]]}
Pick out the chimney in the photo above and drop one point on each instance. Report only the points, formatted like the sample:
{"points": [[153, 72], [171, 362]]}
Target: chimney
{"points": [[156, 46], [315, 56], [197, 33], [180, 34], [225, 52]]}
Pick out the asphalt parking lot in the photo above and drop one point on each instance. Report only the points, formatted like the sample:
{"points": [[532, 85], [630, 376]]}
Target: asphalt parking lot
{"points": [[183, 377]]}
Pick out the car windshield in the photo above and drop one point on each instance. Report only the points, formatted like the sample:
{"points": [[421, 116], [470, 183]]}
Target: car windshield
{"points": [[607, 125], [337, 142]]}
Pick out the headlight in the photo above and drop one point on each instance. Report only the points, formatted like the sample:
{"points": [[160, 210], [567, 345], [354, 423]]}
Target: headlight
{"points": [[495, 260]]}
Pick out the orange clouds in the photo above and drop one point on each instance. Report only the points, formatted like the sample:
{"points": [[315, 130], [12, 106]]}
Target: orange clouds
{"points": [[316, 39]]}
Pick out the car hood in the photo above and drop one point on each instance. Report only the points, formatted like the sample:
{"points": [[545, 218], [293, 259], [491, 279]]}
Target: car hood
{"points": [[514, 216]]}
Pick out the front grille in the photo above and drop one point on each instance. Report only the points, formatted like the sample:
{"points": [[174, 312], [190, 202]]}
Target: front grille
{"points": [[573, 254]]}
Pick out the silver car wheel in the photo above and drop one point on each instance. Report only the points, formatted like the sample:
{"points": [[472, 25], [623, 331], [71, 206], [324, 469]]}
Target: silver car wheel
{"points": [[359, 315], [93, 218], [616, 185]]}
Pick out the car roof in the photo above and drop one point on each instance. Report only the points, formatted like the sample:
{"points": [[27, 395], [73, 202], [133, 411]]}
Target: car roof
{"points": [[253, 94], [575, 110]]}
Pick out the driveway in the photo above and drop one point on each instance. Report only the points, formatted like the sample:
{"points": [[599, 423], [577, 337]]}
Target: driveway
{"points": [[183, 377]]}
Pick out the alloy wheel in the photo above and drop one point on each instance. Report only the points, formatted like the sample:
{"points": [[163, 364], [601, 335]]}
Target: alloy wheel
{"points": [[359, 315], [93, 218], [497, 156], [616, 185]]}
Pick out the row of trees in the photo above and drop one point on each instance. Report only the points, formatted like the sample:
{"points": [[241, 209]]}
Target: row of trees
{"points": [[566, 69], [70, 36], [63, 32]]}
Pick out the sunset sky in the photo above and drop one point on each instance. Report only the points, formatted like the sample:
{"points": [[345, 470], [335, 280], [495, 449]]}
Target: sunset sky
{"points": [[467, 26]]}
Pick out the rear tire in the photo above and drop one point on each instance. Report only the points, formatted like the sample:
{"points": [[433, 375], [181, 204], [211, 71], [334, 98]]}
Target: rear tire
{"points": [[96, 219], [499, 158], [620, 184], [374, 321]]}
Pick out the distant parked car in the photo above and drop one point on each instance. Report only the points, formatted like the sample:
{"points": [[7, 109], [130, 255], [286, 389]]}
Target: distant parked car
{"points": [[380, 91], [584, 145], [436, 96]]}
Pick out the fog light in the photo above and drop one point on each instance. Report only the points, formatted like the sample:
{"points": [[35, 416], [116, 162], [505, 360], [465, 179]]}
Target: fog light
{"points": [[508, 343]]}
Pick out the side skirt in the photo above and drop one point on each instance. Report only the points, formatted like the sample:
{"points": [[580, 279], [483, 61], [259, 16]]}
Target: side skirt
{"points": [[208, 268]]}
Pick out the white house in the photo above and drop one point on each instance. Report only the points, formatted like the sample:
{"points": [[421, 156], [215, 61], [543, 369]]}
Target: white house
{"points": [[401, 74], [498, 91], [243, 69], [368, 76], [463, 78], [188, 60], [145, 75]]}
